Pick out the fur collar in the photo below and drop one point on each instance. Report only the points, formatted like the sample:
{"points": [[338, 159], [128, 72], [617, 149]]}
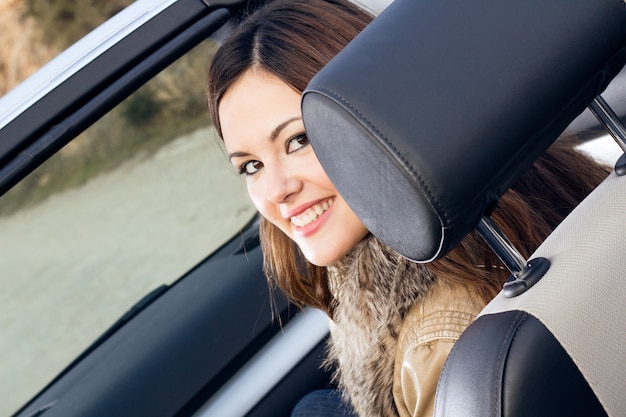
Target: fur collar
{"points": [[374, 288]]}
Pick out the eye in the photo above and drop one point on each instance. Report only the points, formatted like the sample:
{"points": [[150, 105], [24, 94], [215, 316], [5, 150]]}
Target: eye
{"points": [[297, 142], [250, 167]]}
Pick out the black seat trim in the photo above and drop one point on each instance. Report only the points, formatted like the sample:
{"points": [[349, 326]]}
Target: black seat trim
{"points": [[495, 369]]}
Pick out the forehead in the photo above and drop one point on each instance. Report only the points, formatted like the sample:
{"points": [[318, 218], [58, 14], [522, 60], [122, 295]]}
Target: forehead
{"points": [[255, 104]]}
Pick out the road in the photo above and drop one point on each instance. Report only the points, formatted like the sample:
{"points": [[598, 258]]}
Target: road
{"points": [[76, 262]]}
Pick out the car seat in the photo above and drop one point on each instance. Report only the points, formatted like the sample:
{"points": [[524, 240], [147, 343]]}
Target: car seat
{"points": [[439, 106]]}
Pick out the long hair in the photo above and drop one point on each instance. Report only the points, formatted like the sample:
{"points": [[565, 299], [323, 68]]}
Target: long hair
{"points": [[293, 40], [527, 213]]}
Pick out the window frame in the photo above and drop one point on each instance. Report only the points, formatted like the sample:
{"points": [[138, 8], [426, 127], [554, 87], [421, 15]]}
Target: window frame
{"points": [[145, 365]]}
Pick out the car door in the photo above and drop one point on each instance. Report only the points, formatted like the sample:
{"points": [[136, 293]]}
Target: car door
{"points": [[131, 268]]}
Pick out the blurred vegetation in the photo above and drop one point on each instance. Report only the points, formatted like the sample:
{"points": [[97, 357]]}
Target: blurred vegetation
{"points": [[172, 104], [63, 22]]}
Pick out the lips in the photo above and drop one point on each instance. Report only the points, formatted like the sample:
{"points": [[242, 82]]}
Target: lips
{"points": [[312, 213]]}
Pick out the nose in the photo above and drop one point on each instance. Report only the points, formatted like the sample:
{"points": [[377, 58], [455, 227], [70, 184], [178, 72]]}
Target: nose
{"points": [[281, 183]]}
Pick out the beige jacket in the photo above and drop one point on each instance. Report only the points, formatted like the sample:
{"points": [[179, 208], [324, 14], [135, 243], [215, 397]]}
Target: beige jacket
{"points": [[393, 327], [428, 333]]}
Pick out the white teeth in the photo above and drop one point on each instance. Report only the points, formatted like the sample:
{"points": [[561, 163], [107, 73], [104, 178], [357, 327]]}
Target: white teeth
{"points": [[312, 213]]}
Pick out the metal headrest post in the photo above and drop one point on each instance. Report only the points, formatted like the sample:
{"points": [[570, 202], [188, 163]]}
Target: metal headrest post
{"points": [[524, 274], [607, 117], [502, 246]]}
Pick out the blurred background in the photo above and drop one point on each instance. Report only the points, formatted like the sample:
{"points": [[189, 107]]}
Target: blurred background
{"points": [[133, 203]]}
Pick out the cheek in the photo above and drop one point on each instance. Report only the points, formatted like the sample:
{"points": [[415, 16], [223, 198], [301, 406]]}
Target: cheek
{"points": [[255, 195], [262, 204]]}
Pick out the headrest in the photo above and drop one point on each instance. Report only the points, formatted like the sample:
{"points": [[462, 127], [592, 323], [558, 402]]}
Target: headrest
{"points": [[428, 116]]}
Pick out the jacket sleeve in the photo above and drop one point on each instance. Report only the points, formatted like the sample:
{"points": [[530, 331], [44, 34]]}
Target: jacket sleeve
{"points": [[414, 393]]}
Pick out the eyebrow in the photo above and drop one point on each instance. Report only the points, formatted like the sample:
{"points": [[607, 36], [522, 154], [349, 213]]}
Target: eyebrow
{"points": [[281, 126], [272, 137]]}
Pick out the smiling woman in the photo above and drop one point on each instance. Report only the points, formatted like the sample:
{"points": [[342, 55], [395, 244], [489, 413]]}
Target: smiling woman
{"points": [[264, 135], [394, 321], [131, 279], [128, 247]]}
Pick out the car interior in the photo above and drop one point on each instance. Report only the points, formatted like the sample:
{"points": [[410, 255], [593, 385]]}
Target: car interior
{"points": [[232, 351], [440, 135], [484, 100]]}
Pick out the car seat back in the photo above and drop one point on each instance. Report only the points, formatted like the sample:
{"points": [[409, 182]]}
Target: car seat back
{"points": [[544, 352], [425, 119]]}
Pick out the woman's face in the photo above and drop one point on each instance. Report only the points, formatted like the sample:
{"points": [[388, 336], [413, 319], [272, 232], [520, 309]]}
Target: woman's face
{"points": [[264, 135]]}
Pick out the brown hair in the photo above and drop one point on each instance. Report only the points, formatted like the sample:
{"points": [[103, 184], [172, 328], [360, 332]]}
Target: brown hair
{"points": [[295, 39], [291, 39], [527, 213]]}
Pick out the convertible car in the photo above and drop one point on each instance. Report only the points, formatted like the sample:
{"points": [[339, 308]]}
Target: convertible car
{"points": [[131, 273]]}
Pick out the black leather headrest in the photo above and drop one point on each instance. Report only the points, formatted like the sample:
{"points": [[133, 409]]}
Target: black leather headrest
{"points": [[426, 118]]}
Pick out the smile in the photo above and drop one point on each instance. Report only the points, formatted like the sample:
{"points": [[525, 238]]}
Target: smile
{"points": [[312, 213]]}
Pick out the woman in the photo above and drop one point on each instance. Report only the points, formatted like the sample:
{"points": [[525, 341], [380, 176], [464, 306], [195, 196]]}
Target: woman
{"points": [[393, 321]]}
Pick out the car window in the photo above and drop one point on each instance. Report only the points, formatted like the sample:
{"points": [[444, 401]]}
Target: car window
{"points": [[133, 203]]}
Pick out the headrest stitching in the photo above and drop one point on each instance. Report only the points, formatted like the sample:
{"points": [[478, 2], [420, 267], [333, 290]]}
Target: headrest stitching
{"points": [[412, 170]]}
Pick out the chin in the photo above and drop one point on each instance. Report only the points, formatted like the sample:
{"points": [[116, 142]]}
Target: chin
{"points": [[323, 259], [329, 255], [317, 261]]}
